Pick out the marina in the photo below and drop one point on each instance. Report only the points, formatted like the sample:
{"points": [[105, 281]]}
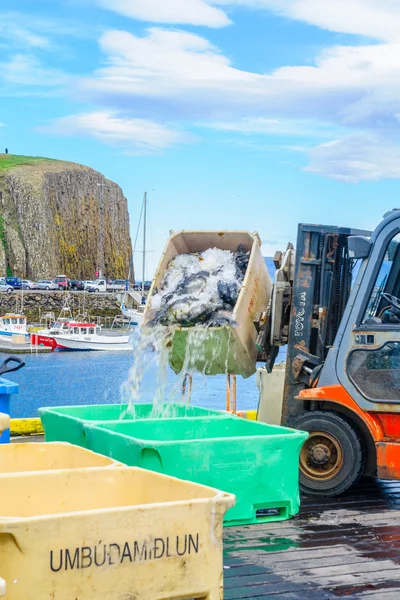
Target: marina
{"points": [[89, 336], [200, 300], [275, 491], [77, 331], [55, 378], [135, 315], [13, 328]]}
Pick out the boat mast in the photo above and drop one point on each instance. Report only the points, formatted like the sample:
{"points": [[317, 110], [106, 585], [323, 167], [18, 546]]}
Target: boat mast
{"points": [[144, 241]]}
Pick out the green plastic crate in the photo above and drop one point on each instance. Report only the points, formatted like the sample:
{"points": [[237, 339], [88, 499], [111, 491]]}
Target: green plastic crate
{"points": [[65, 423], [256, 462]]}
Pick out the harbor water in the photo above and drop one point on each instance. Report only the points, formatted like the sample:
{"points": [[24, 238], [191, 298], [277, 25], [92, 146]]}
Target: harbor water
{"points": [[72, 378]]}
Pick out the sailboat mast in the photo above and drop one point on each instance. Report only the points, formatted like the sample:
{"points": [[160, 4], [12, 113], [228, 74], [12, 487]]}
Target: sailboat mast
{"points": [[144, 240]]}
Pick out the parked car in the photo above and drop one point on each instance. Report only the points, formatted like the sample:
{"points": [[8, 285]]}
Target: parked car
{"points": [[5, 287], [77, 285], [101, 285], [119, 285], [27, 284], [15, 282], [147, 285], [46, 284], [63, 282], [86, 283]]}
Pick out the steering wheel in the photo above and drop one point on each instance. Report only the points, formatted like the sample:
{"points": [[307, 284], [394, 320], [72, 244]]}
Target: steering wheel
{"points": [[393, 301]]}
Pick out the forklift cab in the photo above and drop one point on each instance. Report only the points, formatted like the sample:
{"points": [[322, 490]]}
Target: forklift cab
{"points": [[365, 358], [342, 381]]}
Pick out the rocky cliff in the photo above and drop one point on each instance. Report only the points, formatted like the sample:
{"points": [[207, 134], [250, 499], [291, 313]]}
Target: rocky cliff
{"points": [[60, 217]]}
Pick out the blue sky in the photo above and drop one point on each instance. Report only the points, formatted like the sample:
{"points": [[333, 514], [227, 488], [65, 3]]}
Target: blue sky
{"points": [[254, 114]]}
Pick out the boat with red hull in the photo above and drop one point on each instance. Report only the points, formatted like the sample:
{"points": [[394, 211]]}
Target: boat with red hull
{"points": [[46, 337]]}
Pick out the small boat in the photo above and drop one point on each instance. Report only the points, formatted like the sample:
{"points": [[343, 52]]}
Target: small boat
{"points": [[135, 315], [89, 336], [53, 326], [13, 324], [46, 337]]}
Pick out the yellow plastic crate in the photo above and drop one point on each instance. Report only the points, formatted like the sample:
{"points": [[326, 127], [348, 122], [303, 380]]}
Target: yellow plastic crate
{"points": [[114, 534], [16, 458]]}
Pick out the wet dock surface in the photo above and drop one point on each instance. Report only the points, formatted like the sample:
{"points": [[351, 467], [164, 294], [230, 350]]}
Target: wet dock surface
{"points": [[346, 547]]}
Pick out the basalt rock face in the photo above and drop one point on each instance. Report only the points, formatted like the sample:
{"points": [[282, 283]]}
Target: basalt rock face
{"points": [[58, 217]]}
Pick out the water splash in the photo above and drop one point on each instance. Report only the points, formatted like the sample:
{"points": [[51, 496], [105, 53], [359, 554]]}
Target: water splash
{"points": [[149, 369], [149, 375], [185, 312]]}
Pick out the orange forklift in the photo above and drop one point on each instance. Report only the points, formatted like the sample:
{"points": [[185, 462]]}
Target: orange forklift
{"points": [[336, 306]]}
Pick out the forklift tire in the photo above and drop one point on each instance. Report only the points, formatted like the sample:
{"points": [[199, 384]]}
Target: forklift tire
{"points": [[332, 459]]}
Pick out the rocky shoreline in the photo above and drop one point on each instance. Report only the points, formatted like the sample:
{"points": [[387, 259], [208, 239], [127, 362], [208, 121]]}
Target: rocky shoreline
{"points": [[37, 303]]}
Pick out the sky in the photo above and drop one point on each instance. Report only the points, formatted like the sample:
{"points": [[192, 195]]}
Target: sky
{"points": [[231, 114]]}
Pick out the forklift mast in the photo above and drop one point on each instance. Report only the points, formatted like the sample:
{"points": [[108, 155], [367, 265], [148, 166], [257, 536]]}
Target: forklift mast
{"points": [[311, 291]]}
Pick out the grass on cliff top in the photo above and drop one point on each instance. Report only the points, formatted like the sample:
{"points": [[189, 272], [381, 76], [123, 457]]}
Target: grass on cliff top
{"points": [[8, 161]]}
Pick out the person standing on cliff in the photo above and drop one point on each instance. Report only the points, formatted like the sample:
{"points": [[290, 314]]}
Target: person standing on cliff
{"points": [[6, 150]]}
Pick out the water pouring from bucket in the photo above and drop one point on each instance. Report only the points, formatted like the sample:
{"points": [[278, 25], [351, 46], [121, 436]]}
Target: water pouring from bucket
{"points": [[200, 315], [209, 273]]}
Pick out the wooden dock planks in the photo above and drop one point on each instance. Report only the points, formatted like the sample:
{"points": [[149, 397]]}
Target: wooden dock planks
{"points": [[346, 547]]}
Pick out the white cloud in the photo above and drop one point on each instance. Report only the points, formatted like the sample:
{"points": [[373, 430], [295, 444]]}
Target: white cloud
{"points": [[27, 71], [350, 93], [178, 72], [25, 44], [24, 38], [24, 32], [19, 32], [138, 135], [177, 75], [360, 157], [172, 71], [194, 12], [378, 19], [275, 127]]}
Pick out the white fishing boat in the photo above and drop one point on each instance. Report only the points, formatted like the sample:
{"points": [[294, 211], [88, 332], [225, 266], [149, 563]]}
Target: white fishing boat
{"points": [[12, 324], [89, 336], [46, 337], [53, 327], [135, 315]]}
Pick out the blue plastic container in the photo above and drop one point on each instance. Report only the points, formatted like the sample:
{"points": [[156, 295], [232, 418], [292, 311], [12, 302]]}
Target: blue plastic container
{"points": [[6, 389]]}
